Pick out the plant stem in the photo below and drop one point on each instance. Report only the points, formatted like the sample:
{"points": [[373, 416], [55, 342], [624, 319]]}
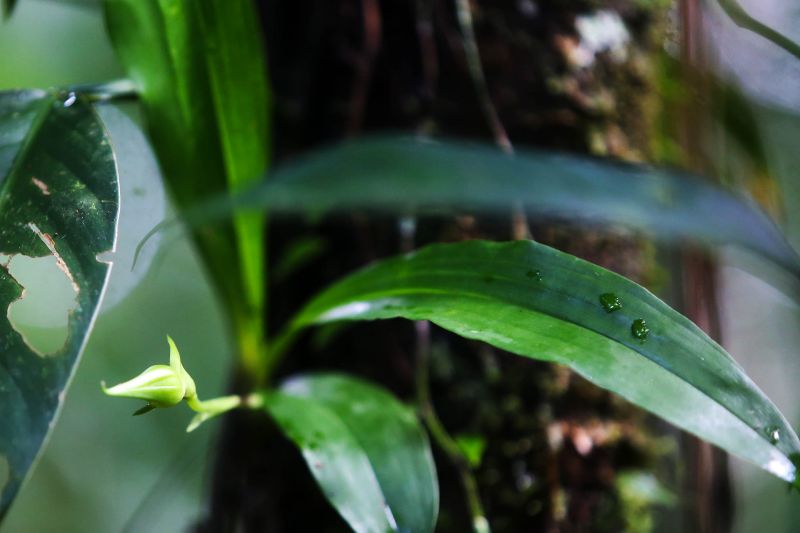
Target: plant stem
{"points": [[439, 433], [210, 408], [470, 44], [519, 222], [743, 19]]}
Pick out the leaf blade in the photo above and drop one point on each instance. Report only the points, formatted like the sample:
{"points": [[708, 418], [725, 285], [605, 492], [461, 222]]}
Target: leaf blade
{"points": [[240, 93], [402, 175], [392, 439], [58, 196], [199, 68], [492, 292], [335, 459]]}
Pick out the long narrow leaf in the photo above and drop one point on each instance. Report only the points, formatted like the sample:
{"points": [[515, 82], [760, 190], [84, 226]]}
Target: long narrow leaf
{"points": [[405, 176], [199, 70], [239, 90], [538, 302]]}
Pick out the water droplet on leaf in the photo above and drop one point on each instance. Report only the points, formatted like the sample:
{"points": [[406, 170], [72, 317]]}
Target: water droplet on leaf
{"points": [[773, 433], [70, 99], [534, 274], [610, 302], [639, 329]]}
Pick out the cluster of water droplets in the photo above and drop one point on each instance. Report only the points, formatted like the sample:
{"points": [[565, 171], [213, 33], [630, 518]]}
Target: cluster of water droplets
{"points": [[612, 303]]}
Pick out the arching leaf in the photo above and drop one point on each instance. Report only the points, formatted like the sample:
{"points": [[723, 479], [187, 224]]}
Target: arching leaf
{"points": [[537, 302], [403, 176]]}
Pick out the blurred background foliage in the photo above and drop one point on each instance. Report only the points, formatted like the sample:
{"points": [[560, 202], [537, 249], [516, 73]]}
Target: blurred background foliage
{"points": [[105, 471]]}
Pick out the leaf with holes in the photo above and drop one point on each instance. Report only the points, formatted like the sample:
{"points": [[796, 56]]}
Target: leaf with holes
{"points": [[537, 302], [366, 450], [58, 198]]}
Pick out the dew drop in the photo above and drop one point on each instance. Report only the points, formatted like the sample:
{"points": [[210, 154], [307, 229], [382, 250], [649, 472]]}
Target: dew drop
{"points": [[639, 329], [773, 433], [534, 274], [610, 302], [70, 99]]}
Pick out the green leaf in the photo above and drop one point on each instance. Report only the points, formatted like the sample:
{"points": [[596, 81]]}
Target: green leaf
{"points": [[535, 301], [199, 67], [404, 176], [240, 93], [366, 450], [58, 197]]}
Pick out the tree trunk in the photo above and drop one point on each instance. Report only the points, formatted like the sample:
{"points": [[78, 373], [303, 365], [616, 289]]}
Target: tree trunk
{"points": [[575, 75]]}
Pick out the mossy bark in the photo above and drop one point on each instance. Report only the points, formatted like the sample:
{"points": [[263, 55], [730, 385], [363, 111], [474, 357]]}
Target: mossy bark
{"points": [[555, 445]]}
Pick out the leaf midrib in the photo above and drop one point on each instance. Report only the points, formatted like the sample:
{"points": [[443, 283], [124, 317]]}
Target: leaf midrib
{"points": [[27, 143]]}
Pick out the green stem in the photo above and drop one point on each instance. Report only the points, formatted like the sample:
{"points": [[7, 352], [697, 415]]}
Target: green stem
{"points": [[439, 433], [472, 54], [249, 335], [743, 19], [210, 408]]}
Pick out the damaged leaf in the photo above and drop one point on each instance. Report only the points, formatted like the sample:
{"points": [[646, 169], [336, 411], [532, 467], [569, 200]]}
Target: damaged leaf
{"points": [[58, 197]]}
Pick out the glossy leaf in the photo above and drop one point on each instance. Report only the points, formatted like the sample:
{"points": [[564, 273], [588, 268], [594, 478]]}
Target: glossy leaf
{"points": [[402, 175], [538, 302], [239, 90], [366, 450], [199, 68], [58, 197]]}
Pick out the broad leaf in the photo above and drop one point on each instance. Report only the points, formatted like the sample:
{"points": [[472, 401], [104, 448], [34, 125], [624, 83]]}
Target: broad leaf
{"points": [[366, 450], [402, 175], [538, 302], [199, 67], [58, 197]]}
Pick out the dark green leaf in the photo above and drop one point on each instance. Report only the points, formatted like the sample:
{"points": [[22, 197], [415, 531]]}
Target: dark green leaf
{"points": [[538, 302], [58, 197], [366, 450], [405, 176]]}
